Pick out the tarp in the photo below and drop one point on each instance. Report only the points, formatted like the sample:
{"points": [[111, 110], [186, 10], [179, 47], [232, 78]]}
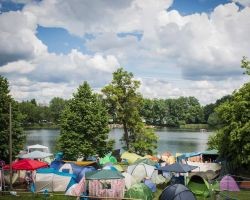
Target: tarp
{"points": [[103, 175], [198, 185], [108, 159], [36, 155], [177, 167], [150, 185], [53, 181], [26, 164], [210, 152], [140, 171], [177, 192], [130, 157], [139, 191], [228, 183]]}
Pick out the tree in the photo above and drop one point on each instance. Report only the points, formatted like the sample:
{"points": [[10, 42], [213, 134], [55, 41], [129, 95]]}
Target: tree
{"points": [[56, 106], [245, 64], [18, 135], [233, 139], [122, 96], [84, 126]]}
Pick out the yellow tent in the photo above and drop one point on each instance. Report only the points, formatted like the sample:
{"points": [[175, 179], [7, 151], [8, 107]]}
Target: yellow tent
{"points": [[130, 157]]}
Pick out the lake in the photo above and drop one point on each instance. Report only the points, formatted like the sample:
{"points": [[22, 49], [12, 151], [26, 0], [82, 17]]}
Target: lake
{"points": [[169, 140]]}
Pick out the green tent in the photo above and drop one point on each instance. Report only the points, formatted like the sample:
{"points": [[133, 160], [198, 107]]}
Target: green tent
{"points": [[108, 159], [198, 185], [103, 175], [139, 191]]}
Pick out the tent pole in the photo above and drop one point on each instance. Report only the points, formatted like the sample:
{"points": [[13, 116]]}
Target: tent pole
{"points": [[10, 146]]}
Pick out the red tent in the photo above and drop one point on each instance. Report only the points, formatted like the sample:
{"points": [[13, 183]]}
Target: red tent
{"points": [[26, 164]]}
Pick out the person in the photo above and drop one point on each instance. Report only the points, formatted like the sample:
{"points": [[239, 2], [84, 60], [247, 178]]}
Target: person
{"points": [[28, 179]]}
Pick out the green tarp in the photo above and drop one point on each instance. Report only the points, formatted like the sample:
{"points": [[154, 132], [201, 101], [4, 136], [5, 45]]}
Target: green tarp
{"points": [[108, 159], [139, 191], [103, 175]]}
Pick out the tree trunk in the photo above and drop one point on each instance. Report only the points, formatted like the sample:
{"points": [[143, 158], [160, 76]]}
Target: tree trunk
{"points": [[126, 135]]}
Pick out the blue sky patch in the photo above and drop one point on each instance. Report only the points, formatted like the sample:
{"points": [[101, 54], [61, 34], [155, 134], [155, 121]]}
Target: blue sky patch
{"points": [[187, 7], [59, 40], [136, 34]]}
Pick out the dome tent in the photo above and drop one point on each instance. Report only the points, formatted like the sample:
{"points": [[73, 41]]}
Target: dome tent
{"points": [[199, 185], [139, 191], [228, 183], [177, 192]]}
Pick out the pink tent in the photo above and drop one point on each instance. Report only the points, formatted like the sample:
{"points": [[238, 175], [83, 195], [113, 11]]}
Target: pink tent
{"points": [[228, 183]]}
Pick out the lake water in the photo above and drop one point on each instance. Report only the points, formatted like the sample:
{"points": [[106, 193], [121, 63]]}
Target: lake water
{"points": [[169, 140]]}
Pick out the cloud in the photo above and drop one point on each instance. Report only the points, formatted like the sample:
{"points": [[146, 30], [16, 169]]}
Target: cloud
{"points": [[17, 37], [19, 67], [243, 2], [193, 55]]}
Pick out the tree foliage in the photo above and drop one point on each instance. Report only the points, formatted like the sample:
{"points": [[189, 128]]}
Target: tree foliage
{"points": [[18, 135], [56, 107], [233, 138], [172, 112], [245, 64], [124, 100], [84, 126]]}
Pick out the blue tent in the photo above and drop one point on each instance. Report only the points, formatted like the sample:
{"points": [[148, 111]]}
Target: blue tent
{"points": [[56, 164]]}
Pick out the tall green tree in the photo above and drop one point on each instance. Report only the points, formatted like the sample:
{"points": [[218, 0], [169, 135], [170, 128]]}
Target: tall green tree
{"points": [[122, 96], [84, 126], [233, 138], [18, 135]]}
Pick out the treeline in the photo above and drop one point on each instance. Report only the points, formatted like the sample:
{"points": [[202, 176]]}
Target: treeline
{"points": [[39, 115], [156, 112]]}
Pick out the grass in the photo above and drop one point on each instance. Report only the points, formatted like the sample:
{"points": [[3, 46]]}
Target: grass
{"points": [[242, 195]]}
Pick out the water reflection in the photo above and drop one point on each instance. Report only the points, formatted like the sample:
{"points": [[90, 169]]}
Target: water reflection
{"points": [[169, 140]]}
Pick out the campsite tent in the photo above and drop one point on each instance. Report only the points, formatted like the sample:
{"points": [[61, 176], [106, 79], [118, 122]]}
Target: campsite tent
{"points": [[105, 183], [37, 147], [228, 183], [53, 180], [176, 192], [198, 185], [145, 161], [56, 164], [140, 171], [78, 171], [139, 191], [129, 180], [36, 155], [130, 157]]}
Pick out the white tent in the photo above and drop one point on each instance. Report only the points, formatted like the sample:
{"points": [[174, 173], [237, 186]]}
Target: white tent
{"points": [[140, 171], [52, 181], [129, 180], [37, 147], [36, 155]]}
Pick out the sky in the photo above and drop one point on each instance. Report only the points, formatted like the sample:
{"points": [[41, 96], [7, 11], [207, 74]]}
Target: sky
{"points": [[173, 47]]}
